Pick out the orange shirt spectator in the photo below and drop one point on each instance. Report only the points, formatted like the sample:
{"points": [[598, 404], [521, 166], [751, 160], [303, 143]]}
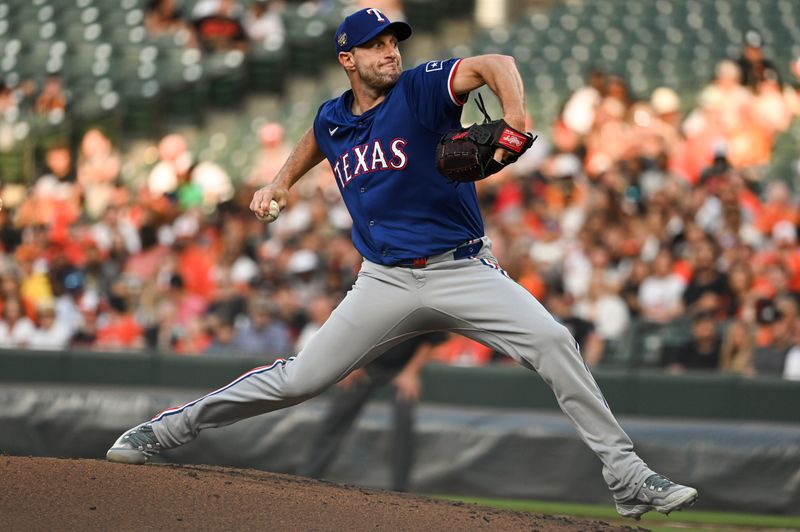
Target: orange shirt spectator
{"points": [[461, 351], [124, 331], [145, 264], [120, 330], [531, 280], [777, 208], [52, 96], [194, 341]]}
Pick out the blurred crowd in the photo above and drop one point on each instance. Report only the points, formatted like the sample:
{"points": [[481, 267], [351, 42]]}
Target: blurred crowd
{"points": [[631, 210], [230, 24], [219, 24], [654, 216], [211, 25]]}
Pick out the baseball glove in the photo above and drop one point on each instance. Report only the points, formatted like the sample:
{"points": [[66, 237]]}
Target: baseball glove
{"points": [[467, 154]]}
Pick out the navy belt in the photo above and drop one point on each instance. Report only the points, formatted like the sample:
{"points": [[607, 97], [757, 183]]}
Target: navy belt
{"points": [[464, 251]]}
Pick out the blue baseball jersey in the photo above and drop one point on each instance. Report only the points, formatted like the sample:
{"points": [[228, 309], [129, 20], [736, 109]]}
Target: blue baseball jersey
{"points": [[384, 162]]}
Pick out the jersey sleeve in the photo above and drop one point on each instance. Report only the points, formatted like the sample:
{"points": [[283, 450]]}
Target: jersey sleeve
{"points": [[429, 91]]}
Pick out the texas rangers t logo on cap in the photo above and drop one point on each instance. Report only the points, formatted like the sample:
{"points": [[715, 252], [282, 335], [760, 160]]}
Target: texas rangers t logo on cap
{"points": [[365, 25]]}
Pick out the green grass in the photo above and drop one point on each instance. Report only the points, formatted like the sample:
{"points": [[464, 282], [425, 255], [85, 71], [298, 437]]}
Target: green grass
{"points": [[685, 520]]}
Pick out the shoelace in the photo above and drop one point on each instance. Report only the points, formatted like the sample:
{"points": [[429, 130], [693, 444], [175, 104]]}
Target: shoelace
{"points": [[658, 483], [144, 439]]}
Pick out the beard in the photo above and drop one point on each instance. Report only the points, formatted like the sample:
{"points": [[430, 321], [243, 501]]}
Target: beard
{"points": [[379, 80]]}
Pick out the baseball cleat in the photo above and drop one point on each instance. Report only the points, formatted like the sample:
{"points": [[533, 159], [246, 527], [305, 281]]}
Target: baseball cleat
{"points": [[135, 445], [657, 493]]}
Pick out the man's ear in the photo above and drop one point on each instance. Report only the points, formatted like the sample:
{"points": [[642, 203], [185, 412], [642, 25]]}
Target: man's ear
{"points": [[347, 61]]}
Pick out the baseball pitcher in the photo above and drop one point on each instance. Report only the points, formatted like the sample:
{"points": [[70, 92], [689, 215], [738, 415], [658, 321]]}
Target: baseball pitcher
{"points": [[405, 168]]}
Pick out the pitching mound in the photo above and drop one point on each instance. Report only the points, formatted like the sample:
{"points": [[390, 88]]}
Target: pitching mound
{"points": [[86, 495]]}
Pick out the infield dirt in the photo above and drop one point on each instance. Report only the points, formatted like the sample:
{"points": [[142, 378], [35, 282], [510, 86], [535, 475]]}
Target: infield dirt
{"points": [[88, 495]]}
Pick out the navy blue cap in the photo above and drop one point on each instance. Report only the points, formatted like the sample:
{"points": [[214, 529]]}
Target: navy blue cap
{"points": [[364, 25]]}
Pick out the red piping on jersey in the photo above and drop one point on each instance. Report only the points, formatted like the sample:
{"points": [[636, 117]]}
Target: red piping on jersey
{"points": [[453, 95]]}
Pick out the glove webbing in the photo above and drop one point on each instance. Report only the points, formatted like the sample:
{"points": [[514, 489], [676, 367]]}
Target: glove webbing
{"points": [[482, 109], [482, 136]]}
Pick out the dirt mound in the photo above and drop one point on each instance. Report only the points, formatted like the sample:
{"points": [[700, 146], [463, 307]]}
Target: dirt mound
{"points": [[67, 494]]}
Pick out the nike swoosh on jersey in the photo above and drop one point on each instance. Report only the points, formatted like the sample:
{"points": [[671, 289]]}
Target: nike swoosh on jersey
{"points": [[332, 131]]}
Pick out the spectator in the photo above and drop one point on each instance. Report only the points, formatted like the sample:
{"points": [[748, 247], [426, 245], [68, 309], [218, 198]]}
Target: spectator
{"points": [[789, 306], [209, 186], [98, 168], [778, 207], [702, 351], [118, 328], [791, 369], [173, 167], [769, 358], [195, 254], [459, 350], [784, 239], [102, 269], [604, 307], [67, 304], [740, 283], [7, 100], [144, 265], [223, 334], [639, 271], [15, 328], [60, 168], [194, 339], [660, 294], [55, 199], [752, 63], [726, 116], [706, 276], [773, 106], [736, 353], [274, 151], [264, 24], [49, 334], [115, 226], [666, 105], [180, 178], [35, 286], [579, 110], [85, 337], [263, 333], [189, 307], [165, 17], [52, 98], [220, 29], [10, 233]]}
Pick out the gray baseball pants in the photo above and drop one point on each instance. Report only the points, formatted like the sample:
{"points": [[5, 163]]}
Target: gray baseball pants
{"points": [[470, 296]]}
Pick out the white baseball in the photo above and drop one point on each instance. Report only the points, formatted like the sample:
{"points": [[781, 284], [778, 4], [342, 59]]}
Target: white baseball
{"points": [[272, 215]]}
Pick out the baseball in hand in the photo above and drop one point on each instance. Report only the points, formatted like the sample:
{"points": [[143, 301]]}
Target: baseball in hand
{"points": [[272, 215]]}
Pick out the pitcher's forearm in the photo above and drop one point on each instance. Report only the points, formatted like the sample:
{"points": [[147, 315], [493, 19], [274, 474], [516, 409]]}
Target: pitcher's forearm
{"points": [[305, 156]]}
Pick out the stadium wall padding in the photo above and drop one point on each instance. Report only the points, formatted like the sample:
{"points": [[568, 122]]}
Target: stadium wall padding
{"points": [[475, 451], [650, 393]]}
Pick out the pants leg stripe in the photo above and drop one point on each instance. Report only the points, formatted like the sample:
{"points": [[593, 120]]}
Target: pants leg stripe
{"points": [[492, 264], [254, 371]]}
